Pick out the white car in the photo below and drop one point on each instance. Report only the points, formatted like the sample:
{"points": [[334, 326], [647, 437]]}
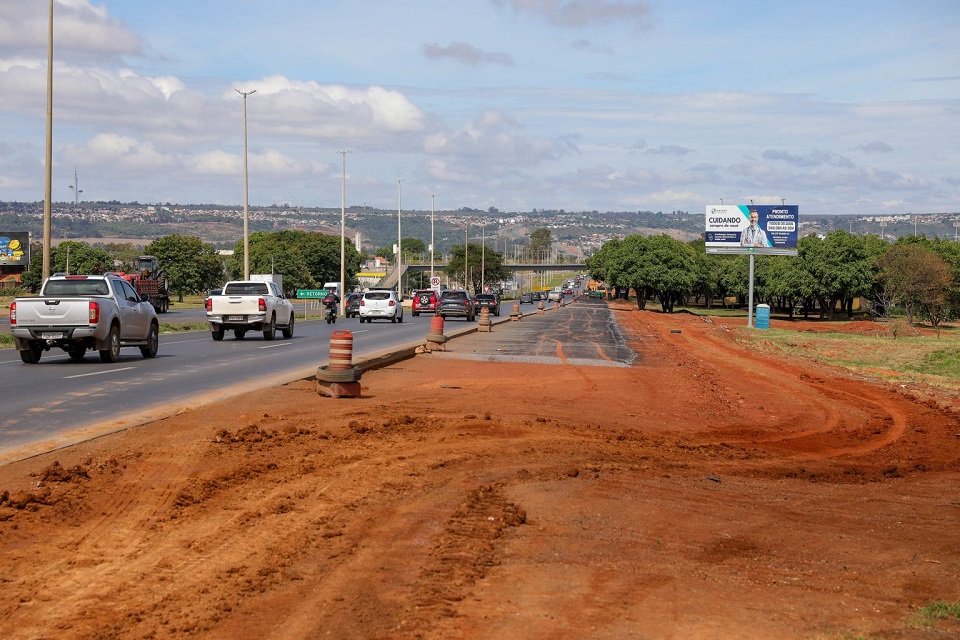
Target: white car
{"points": [[381, 303], [555, 296]]}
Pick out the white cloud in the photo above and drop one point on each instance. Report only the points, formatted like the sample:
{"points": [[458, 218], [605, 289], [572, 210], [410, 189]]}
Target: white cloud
{"points": [[119, 151], [79, 27], [311, 109]]}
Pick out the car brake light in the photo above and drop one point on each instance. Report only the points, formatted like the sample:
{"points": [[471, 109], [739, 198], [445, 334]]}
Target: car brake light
{"points": [[363, 303], [13, 313], [392, 303], [262, 305], [208, 305], [94, 312]]}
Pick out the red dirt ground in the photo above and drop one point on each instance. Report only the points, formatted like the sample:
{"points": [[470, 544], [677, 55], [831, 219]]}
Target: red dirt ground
{"points": [[705, 492]]}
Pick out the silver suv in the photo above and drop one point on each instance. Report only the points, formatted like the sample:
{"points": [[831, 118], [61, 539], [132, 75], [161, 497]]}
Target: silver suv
{"points": [[381, 303]]}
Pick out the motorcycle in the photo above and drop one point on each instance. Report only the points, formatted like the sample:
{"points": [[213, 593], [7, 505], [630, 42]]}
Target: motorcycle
{"points": [[330, 313]]}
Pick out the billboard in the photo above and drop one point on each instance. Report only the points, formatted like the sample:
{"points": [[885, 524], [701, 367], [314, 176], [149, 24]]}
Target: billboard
{"points": [[762, 229], [15, 249]]}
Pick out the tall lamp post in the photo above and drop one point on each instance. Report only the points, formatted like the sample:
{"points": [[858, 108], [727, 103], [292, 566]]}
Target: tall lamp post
{"points": [[466, 253], [483, 255], [48, 184], [343, 224], [399, 240], [433, 211], [246, 191]]}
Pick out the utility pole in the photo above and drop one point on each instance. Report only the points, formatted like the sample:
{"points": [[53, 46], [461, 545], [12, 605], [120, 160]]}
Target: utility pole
{"points": [[246, 191], [466, 243]]}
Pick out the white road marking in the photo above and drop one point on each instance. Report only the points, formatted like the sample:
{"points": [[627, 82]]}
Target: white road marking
{"points": [[278, 344], [98, 373]]}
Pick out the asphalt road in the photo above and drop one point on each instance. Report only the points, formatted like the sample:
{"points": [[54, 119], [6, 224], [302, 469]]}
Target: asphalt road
{"points": [[58, 401]]}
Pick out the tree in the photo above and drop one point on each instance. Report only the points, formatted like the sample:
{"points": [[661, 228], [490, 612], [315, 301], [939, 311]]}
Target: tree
{"points": [[668, 270], [658, 265], [491, 262], [918, 279], [541, 242], [191, 265], [413, 247], [605, 264], [67, 257], [304, 259], [626, 264], [841, 267]]}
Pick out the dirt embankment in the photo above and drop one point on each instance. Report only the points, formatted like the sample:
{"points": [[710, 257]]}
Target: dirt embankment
{"points": [[704, 492]]}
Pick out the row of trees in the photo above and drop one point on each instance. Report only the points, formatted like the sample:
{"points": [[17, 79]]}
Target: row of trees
{"points": [[305, 260], [921, 276]]}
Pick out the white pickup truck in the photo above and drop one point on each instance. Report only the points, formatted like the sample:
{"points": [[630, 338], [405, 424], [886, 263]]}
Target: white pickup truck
{"points": [[249, 305], [77, 313]]}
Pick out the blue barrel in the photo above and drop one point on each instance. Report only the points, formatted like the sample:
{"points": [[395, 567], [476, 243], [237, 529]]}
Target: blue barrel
{"points": [[763, 316]]}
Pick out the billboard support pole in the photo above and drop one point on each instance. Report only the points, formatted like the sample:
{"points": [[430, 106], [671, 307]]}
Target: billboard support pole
{"points": [[750, 296]]}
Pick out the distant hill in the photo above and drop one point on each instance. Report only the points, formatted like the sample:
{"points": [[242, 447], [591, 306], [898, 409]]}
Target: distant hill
{"points": [[578, 232]]}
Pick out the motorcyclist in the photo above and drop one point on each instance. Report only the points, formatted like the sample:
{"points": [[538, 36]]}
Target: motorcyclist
{"points": [[331, 305]]}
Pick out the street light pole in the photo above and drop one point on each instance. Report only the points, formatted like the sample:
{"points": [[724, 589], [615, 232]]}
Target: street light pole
{"points": [[483, 255], [246, 191], [343, 223], [399, 241], [48, 185], [433, 211], [466, 253]]}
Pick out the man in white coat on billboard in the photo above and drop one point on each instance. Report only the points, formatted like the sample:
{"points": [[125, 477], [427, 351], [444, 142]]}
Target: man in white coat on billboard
{"points": [[753, 236]]}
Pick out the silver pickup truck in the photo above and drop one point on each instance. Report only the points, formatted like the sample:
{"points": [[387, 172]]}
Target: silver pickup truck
{"points": [[250, 305], [78, 313]]}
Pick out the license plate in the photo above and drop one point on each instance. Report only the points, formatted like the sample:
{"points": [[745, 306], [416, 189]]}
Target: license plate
{"points": [[235, 318], [51, 335]]}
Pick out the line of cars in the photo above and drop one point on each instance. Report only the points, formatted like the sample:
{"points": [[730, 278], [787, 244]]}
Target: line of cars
{"points": [[450, 303]]}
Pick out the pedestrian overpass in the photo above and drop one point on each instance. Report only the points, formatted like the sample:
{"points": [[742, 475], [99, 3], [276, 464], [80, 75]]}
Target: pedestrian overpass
{"points": [[394, 275]]}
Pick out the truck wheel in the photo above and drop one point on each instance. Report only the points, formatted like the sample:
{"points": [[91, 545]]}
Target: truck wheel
{"points": [[112, 352], [271, 329], [239, 333], [31, 355], [153, 342], [217, 334], [77, 353], [288, 330]]}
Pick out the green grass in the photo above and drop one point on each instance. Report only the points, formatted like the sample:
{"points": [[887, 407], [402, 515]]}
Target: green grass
{"points": [[942, 362], [179, 327], [934, 360], [931, 614]]}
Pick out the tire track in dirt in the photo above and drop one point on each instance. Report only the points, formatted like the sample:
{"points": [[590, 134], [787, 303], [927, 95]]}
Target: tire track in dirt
{"points": [[838, 417]]}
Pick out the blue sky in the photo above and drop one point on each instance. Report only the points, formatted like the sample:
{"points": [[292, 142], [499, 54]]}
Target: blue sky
{"points": [[849, 107]]}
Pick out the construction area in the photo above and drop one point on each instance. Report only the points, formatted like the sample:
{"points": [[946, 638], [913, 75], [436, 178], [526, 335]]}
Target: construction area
{"points": [[646, 476]]}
